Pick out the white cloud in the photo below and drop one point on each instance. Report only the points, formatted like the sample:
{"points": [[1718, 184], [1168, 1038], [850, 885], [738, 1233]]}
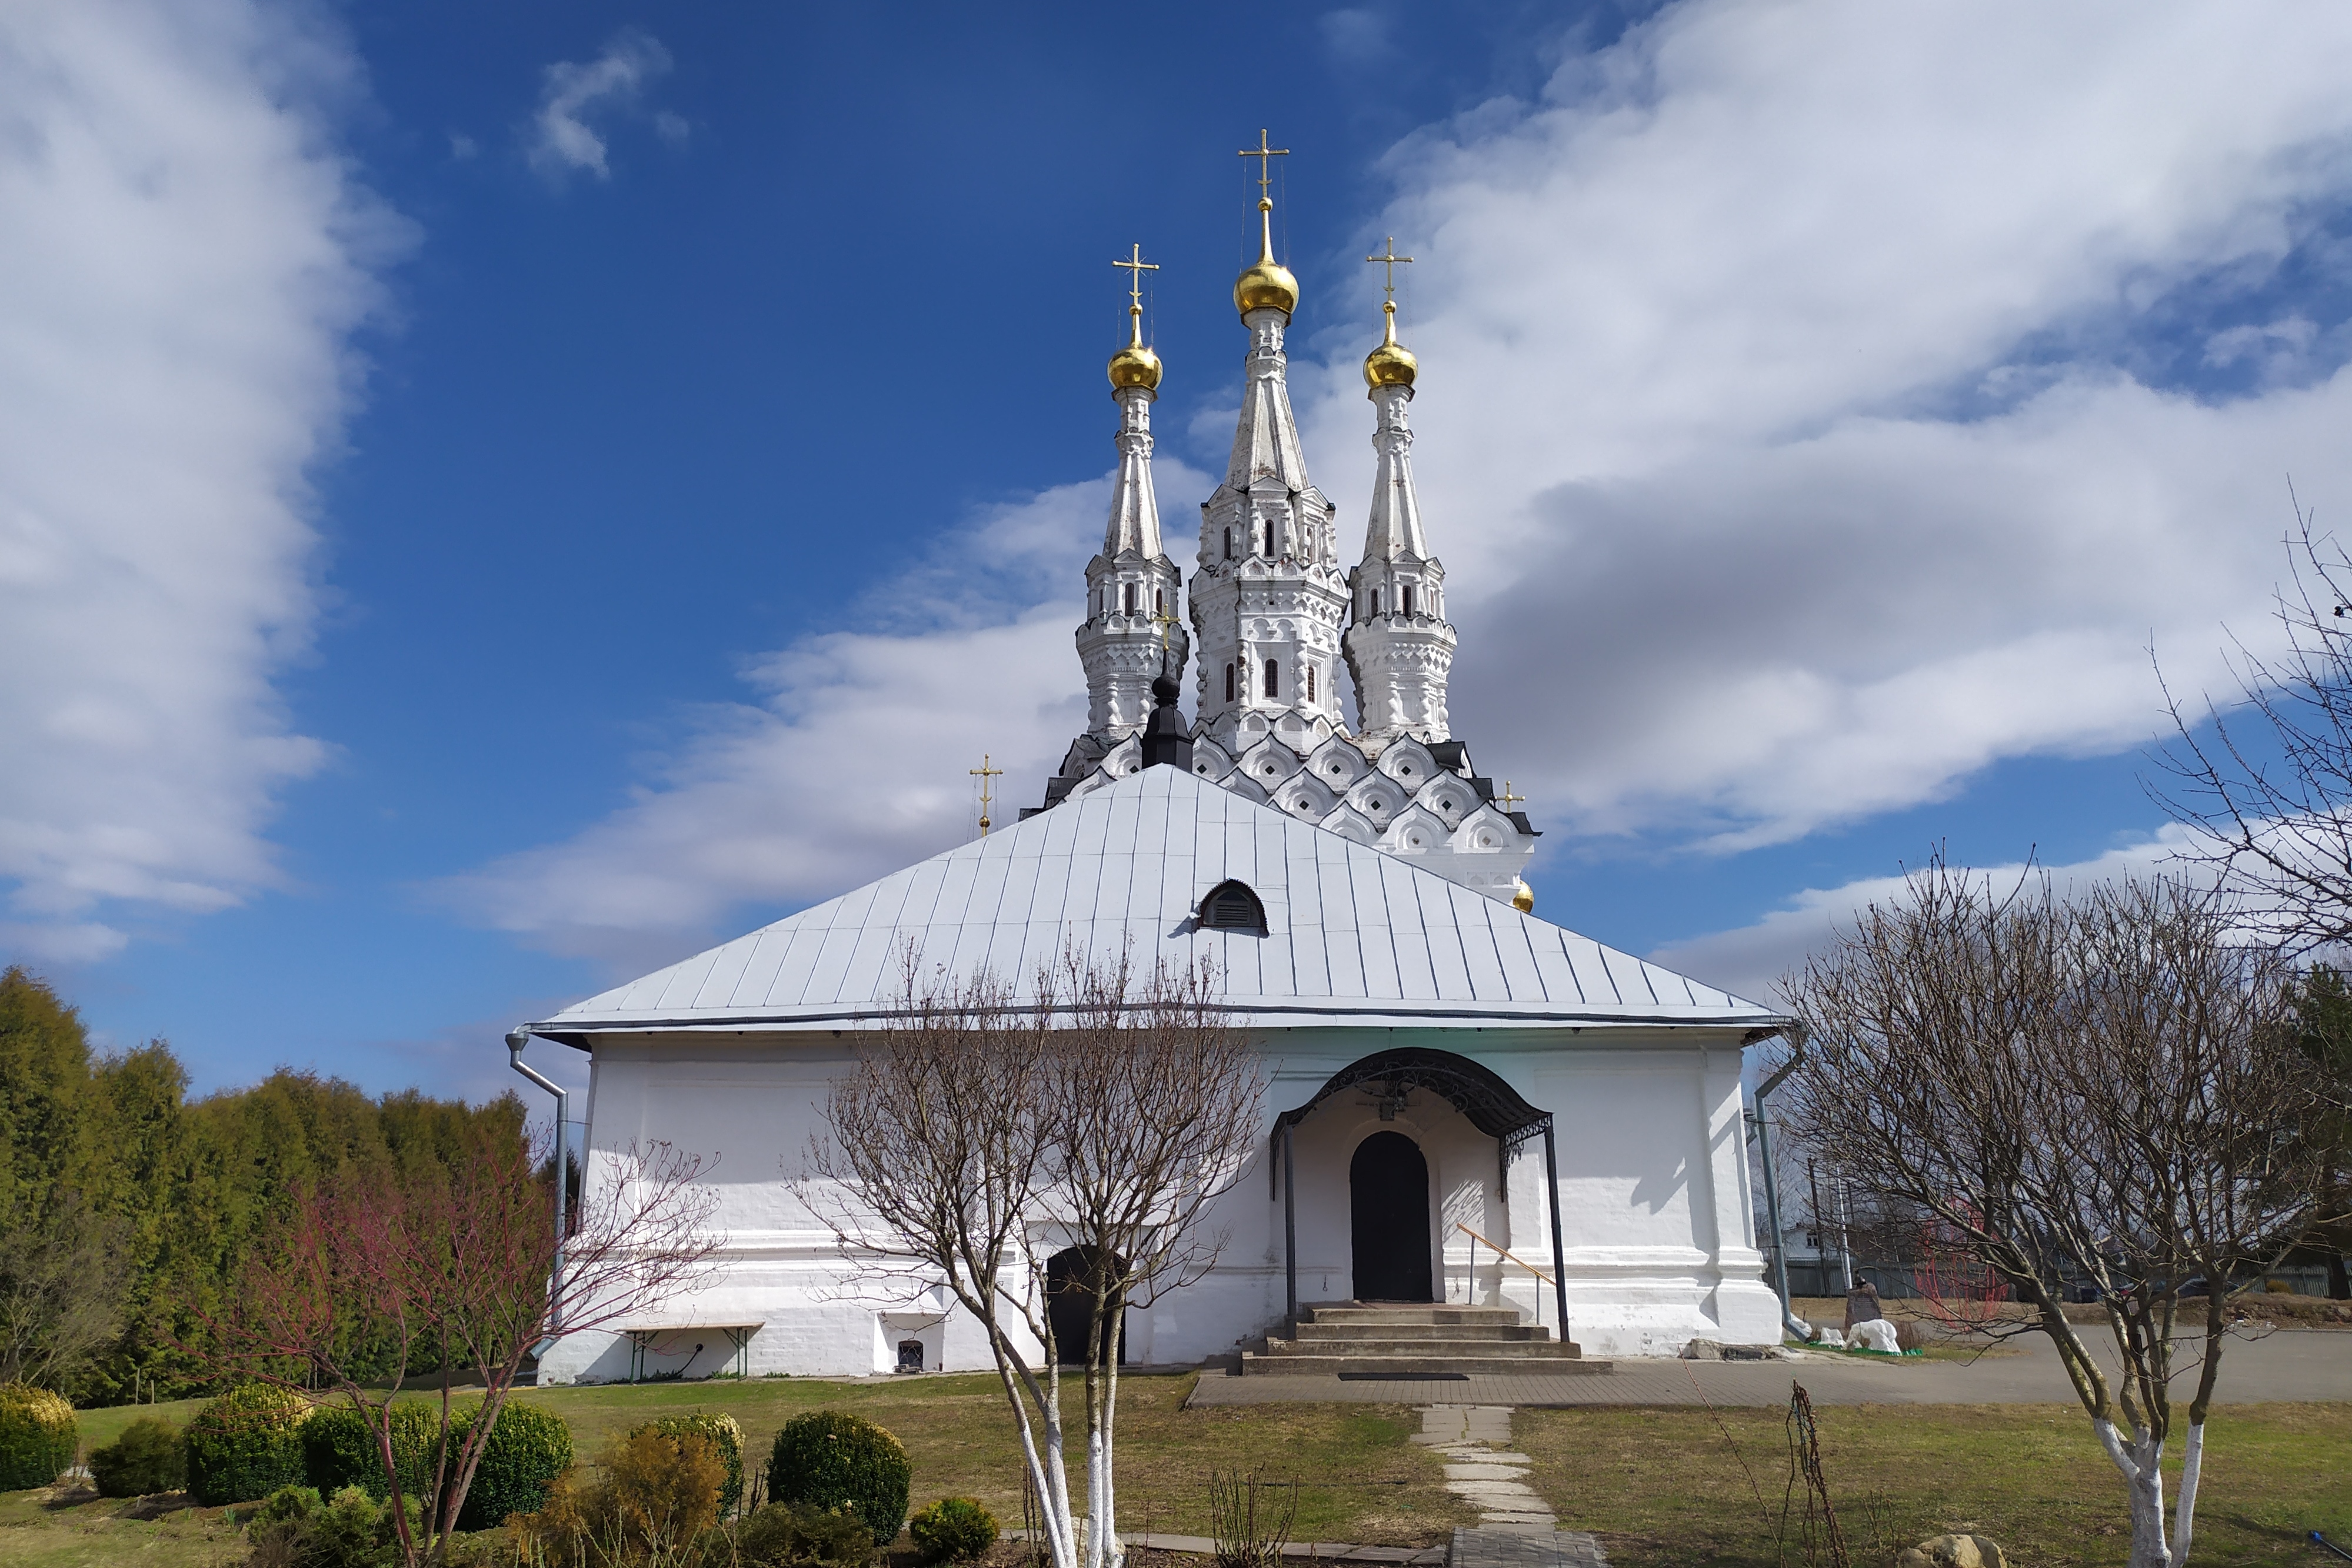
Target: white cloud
{"points": [[183, 254], [852, 762], [562, 138], [1778, 417], [1786, 424], [1750, 960]]}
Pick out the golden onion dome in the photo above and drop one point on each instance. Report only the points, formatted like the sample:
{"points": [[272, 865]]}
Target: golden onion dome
{"points": [[1392, 364], [1267, 284], [1135, 365], [1523, 897]]}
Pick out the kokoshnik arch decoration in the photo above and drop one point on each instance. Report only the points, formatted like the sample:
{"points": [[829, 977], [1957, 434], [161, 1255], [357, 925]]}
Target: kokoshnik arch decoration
{"points": [[1491, 1105]]}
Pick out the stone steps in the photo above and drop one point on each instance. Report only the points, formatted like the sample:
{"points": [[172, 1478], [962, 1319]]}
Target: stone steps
{"points": [[1406, 1340], [1421, 1365], [1316, 1333]]}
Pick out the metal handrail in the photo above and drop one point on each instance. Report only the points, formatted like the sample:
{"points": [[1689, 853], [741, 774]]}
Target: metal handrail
{"points": [[1474, 1236]]}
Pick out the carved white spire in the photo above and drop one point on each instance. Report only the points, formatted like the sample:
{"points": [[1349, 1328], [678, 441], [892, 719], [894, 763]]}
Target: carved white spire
{"points": [[1400, 648], [1268, 600], [1131, 586]]}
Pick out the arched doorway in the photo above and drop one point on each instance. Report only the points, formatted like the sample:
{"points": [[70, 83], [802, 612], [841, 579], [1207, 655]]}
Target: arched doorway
{"points": [[1387, 1189], [1070, 1305]]}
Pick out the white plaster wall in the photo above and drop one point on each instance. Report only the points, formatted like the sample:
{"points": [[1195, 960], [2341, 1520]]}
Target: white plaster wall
{"points": [[1653, 1194]]}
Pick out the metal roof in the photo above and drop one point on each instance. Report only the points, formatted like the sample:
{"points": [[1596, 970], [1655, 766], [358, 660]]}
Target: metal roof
{"points": [[1355, 937]]}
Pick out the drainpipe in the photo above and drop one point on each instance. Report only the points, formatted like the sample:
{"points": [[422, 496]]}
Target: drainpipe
{"points": [[516, 1038], [1789, 1318]]}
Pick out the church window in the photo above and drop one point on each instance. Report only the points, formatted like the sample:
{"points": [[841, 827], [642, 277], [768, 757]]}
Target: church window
{"points": [[1126, 600], [1310, 682], [1159, 601], [1229, 543], [1229, 683], [1273, 679], [1407, 599], [1233, 907], [1376, 602]]}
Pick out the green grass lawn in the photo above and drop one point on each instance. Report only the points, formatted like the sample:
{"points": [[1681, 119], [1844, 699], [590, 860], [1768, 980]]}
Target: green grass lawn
{"points": [[1662, 1487], [1665, 1487]]}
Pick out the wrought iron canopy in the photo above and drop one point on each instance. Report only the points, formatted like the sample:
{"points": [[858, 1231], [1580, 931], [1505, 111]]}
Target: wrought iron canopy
{"points": [[1493, 1107]]}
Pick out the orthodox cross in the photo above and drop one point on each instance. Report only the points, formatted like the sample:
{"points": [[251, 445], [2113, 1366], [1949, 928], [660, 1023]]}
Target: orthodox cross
{"points": [[1136, 266], [1510, 800], [1390, 260], [984, 773], [1266, 156]]}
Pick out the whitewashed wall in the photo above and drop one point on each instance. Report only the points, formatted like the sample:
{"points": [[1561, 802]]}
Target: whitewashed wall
{"points": [[1653, 1190]]}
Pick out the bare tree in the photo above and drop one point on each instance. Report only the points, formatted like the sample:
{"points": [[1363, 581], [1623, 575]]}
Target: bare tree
{"points": [[983, 1133], [2268, 797], [63, 1266], [466, 1265], [2094, 1095]]}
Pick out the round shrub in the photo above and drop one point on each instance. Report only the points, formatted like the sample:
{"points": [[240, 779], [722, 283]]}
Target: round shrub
{"points": [[952, 1529], [726, 1435], [338, 1450], [147, 1458], [830, 1459], [778, 1536], [38, 1438], [526, 1450], [245, 1445]]}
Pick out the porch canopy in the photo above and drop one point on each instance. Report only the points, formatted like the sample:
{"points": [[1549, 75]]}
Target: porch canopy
{"points": [[1492, 1106]]}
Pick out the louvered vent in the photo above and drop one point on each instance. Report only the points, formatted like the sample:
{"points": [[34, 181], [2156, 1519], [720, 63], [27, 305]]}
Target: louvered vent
{"points": [[1233, 907]]}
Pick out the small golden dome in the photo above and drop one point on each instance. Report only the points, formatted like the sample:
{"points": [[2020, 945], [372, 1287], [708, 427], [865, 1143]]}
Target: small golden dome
{"points": [[1267, 283], [1392, 364], [1523, 897], [1135, 365]]}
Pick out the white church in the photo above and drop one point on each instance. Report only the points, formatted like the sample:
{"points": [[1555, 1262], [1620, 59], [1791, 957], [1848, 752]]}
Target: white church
{"points": [[1469, 1107]]}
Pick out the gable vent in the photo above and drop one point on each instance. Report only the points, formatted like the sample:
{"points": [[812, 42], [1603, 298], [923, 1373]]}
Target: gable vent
{"points": [[1233, 906]]}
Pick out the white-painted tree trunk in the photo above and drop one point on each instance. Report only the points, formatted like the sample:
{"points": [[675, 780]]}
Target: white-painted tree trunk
{"points": [[2141, 1460]]}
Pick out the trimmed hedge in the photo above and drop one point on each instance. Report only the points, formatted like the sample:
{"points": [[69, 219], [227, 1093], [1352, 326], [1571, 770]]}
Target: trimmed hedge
{"points": [[830, 1459], [526, 1450], [38, 1438], [953, 1530], [147, 1458], [245, 1445], [726, 1434], [338, 1450]]}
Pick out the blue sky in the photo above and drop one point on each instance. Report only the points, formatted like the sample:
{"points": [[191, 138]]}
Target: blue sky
{"points": [[494, 500]]}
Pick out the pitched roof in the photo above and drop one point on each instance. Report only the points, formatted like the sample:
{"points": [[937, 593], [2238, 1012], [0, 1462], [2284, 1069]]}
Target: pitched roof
{"points": [[1355, 937]]}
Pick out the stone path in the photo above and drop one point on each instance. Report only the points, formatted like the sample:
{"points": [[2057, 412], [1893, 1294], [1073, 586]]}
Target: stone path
{"points": [[1515, 1526]]}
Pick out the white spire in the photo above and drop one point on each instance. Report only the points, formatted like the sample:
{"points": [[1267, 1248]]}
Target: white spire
{"points": [[1130, 626], [1400, 649]]}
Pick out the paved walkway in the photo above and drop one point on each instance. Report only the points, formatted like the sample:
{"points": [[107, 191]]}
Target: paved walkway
{"points": [[2292, 1364]]}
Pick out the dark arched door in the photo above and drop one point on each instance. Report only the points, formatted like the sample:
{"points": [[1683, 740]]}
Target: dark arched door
{"points": [[1388, 1187], [1070, 1293]]}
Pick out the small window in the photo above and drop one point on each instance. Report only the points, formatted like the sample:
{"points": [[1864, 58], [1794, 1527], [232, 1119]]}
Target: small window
{"points": [[1229, 683], [1233, 907], [1229, 544], [1310, 684], [1126, 600], [1273, 679], [1407, 599], [1159, 601], [1376, 602]]}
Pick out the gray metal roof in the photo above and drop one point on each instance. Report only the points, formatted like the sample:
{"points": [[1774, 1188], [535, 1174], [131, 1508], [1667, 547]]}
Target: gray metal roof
{"points": [[1354, 937]]}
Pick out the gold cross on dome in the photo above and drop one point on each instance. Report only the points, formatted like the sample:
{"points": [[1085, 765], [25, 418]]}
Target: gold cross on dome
{"points": [[1391, 260], [1506, 799], [1266, 156], [1136, 266], [984, 773]]}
